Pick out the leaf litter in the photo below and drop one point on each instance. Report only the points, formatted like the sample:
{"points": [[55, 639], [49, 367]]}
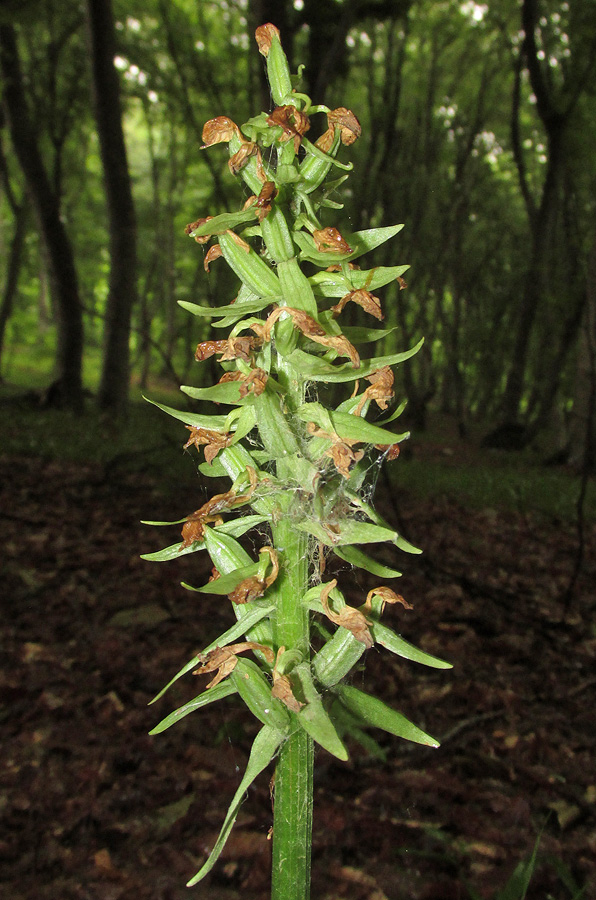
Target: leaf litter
{"points": [[92, 806]]}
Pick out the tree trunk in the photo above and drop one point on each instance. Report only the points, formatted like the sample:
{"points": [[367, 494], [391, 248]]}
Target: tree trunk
{"points": [[68, 389], [583, 417], [122, 290], [14, 266]]}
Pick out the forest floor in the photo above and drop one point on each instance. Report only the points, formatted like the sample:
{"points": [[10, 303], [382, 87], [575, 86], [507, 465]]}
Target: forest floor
{"points": [[93, 808]]}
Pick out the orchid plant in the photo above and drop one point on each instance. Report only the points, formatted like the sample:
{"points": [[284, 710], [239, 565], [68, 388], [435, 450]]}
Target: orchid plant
{"points": [[297, 468]]}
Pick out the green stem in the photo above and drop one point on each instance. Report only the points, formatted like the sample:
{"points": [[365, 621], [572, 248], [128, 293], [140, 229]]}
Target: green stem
{"points": [[293, 804], [292, 820]]}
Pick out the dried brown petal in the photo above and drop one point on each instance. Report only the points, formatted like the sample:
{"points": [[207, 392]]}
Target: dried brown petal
{"points": [[311, 329], [392, 450], [282, 687], [213, 252], [224, 659], [209, 348], [254, 383], [264, 200], [240, 241], [346, 121], [264, 35], [380, 390], [239, 348], [348, 617], [219, 129], [232, 348], [241, 156], [209, 511], [325, 141], [344, 457], [365, 299], [248, 590], [193, 227], [330, 240], [292, 121], [254, 587], [387, 596], [214, 441]]}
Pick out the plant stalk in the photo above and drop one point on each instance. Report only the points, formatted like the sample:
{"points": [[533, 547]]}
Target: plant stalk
{"points": [[293, 797]]}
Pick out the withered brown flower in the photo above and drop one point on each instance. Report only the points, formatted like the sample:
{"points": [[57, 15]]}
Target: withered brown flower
{"points": [[380, 390], [310, 328], [214, 252], [387, 596], [282, 687], [369, 303], [218, 130], [264, 35], [254, 587], [329, 240], [292, 122], [348, 617], [224, 659], [193, 227]]}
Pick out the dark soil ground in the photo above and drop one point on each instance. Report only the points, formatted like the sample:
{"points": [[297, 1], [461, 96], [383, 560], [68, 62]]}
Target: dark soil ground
{"points": [[92, 808]]}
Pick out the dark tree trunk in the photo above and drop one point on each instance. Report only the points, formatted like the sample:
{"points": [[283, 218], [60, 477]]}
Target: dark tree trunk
{"points": [[122, 291], [68, 389], [12, 275]]}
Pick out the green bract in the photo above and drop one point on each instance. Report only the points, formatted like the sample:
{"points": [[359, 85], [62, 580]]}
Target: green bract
{"points": [[296, 467]]}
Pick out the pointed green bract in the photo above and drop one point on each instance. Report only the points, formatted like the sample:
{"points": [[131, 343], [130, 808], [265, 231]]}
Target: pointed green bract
{"points": [[263, 750]]}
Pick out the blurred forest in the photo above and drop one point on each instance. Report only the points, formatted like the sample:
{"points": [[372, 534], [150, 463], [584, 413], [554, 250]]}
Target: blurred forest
{"points": [[479, 126]]}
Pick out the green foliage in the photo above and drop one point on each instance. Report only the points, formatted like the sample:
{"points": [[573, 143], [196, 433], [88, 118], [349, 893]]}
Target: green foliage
{"points": [[296, 466]]}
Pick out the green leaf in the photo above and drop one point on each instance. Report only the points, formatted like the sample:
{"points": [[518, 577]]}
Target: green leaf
{"points": [[313, 368], [277, 436], [263, 750], [314, 718], [348, 724], [517, 886], [217, 423], [255, 690], [227, 556], [356, 557], [360, 242], [223, 222], [218, 692], [235, 528], [253, 614], [358, 335], [347, 531], [233, 309], [396, 644], [246, 421], [348, 426], [250, 618], [337, 658], [250, 268], [296, 288], [336, 284], [376, 714], [228, 392], [225, 584]]}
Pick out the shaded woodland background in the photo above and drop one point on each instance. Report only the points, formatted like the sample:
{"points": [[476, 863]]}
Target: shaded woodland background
{"points": [[479, 125], [479, 128]]}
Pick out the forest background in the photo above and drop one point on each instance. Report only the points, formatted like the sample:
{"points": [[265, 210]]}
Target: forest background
{"points": [[479, 124], [479, 128]]}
